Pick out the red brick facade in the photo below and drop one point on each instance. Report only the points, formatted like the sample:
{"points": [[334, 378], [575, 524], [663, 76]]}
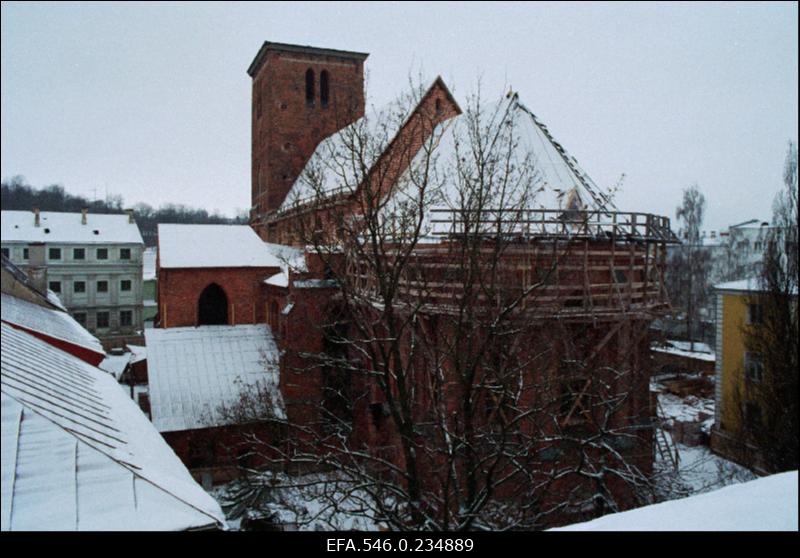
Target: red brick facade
{"points": [[179, 292], [288, 121]]}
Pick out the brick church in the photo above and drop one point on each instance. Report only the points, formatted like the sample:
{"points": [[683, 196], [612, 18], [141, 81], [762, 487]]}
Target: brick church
{"points": [[500, 353]]}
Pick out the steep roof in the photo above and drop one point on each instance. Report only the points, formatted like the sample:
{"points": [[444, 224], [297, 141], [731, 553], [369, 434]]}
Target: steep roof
{"points": [[19, 226], [78, 454], [200, 246], [53, 323], [342, 160], [193, 371], [558, 178]]}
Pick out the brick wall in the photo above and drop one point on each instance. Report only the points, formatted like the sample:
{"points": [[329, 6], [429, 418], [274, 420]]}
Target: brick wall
{"points": [[286, 128], [180, 289]]}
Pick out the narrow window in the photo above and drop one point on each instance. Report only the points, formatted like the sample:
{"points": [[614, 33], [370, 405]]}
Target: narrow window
{"points": [[258, 105], [438, 106], [310, 87], [125, 317], [754, 314], [753, 366], [102, 320], [323, 88], [24, 253], [78, 253]]}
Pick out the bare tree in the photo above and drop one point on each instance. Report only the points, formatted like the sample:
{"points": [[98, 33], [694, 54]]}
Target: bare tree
{"points": [[689, 267], [464, 383], [769, 397]]}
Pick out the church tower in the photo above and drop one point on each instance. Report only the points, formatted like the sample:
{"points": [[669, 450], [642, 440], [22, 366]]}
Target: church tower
{"points": [[301, 95]]}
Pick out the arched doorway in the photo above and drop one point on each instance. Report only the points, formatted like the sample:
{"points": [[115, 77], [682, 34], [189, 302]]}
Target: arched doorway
{"points": [[212, 306]]}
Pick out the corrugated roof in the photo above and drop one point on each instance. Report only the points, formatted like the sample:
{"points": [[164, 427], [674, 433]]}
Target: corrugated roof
{"points": [[52, 323], [79, 455], [195, 246], [19, 226], [193, 371]]}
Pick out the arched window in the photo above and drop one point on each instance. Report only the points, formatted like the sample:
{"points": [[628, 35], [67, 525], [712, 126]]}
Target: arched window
{"points": [[438, 106], [212, 306], [323, 88], [310, 87]]}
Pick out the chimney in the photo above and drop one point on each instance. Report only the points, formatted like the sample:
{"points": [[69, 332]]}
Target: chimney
{"points": [[35, 215], [37, 267], [84, 211], [130, 216]]}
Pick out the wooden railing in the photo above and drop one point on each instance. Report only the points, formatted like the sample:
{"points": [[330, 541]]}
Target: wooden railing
{"points": [[553, 223], [578, 277]]}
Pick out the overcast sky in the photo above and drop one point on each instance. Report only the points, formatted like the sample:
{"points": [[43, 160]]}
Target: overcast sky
{"points": [[152, 101]]}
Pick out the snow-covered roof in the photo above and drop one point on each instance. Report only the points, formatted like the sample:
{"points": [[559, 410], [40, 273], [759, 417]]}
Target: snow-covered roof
{"points": [[559, 182], [750, 285], [115, 364], [149, 263], [78, 454], [278, 280], [193, 371], [341, 160], [19, 226], [188, 246], [138, 352], [683, 348], [53, 323], [765, 504]]}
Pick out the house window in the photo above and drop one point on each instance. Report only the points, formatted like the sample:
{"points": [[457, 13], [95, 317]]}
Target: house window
{"points": [[24, 253], [125, 285], [54, 286], [752, 416], [102, 320], [102, 286], [124, 253], [80, 317], [438, 106], [54, 253], [310, 87], [755, 314], [323, 88], [79, 287], [78, 253], [753, 366], [125, 317], [6, 253], [102, 253]]}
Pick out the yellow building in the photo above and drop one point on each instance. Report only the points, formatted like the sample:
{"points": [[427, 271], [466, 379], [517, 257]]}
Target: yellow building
{"points": [[738, 373]]}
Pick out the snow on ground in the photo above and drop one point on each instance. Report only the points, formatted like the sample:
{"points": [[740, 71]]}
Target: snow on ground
{"points": [[683, 348], [765, 504], [297, 503]]}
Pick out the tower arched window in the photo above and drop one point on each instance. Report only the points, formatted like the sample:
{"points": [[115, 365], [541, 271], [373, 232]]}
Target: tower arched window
{"points": [[324, 88], [310, 87]]}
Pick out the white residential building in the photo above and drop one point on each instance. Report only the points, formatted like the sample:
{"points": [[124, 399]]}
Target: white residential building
{"points": [[92, 262]]}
